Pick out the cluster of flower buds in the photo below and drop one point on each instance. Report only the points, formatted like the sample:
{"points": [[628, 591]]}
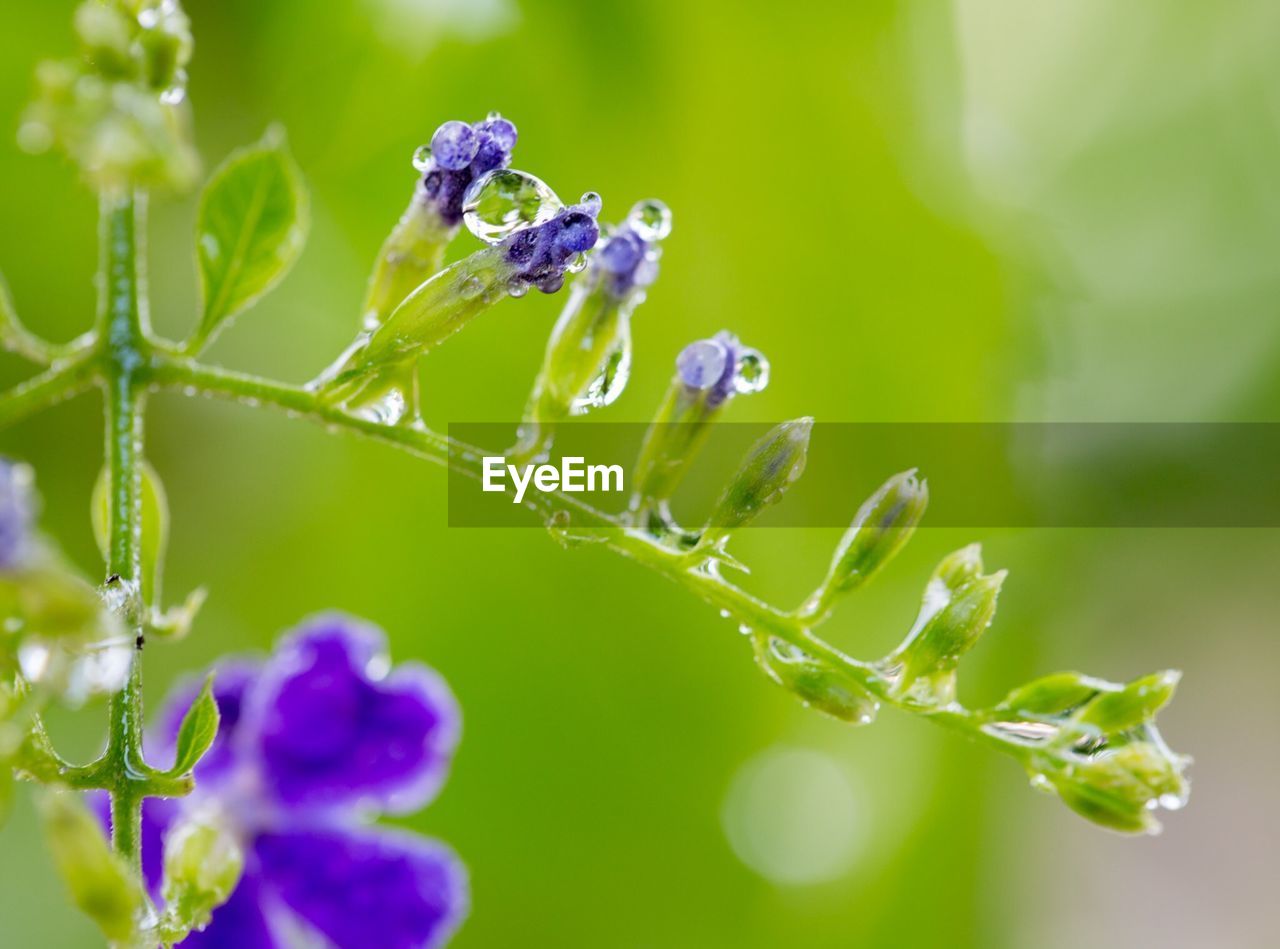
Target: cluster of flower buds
{"points": [[1095, 744], [413, 306], [119, 108], [459, 154]]}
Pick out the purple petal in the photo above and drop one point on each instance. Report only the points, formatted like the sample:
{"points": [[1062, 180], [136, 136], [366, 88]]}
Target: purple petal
{"points": [[334, 729], [16, 512], [231, 683], [365, 888], [239, 923]]}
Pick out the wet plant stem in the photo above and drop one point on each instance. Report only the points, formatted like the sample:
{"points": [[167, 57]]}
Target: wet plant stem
{"points": [[128, 363], [123, 335], [763, 619]]}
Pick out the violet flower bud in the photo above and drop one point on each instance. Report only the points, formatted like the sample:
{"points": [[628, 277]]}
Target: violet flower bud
{"points": [[709, 373]]}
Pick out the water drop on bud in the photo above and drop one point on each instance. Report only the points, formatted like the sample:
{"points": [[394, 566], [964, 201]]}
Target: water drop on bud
{"points": [[503, 201]]}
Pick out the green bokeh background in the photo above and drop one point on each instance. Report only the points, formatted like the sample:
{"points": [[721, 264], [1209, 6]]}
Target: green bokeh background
{"points": [[979, 210]]}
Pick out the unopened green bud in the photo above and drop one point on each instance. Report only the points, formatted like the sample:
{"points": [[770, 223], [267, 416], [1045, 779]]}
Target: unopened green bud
{"points": [[1121, 788], [101, 885], [1052, 695], [203, 861], [881, 528], [815, 682], [1133, 705], [771, 465], [436, 310], [933, 649]]}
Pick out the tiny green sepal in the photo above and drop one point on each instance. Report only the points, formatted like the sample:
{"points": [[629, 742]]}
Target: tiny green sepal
{"points": [[250, 229], [1131, 706], [198, 730]]}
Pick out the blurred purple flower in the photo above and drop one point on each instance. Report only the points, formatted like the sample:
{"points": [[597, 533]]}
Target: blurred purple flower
{"points": [[314, 741], [16, 512], [461, 153]]}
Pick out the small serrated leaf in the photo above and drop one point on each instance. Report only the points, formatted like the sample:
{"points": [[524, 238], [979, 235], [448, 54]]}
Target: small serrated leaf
{"points": [[199, 729], [251, 227]]}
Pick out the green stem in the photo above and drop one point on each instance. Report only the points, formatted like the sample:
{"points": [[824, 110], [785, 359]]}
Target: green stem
{"points": [[760, 617], [122, 322], [56, 384]]}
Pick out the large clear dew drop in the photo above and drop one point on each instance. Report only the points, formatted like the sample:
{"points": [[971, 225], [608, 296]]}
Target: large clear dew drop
{"points": [[504, 201]]}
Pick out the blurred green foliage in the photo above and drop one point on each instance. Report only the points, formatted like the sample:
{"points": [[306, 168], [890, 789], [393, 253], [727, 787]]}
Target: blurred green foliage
{"points": [[965, 211]]}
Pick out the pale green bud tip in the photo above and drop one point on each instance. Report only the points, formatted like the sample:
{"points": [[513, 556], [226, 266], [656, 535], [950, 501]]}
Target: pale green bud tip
{"points": [[1133, 705], [202, 865], [100, 883], [958, 568]]}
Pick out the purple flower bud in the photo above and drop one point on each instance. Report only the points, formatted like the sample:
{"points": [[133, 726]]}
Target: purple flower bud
{"points": [[721, 366], [702, 364], [630, 256], [543, 252], [15, 513], [501, 131], [621, 253], [578, 232], [454, 145], [461, 153]]}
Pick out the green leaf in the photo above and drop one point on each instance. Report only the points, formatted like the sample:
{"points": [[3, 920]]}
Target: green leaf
{"points": [[155, 526], [251, 227], [199, 729]]}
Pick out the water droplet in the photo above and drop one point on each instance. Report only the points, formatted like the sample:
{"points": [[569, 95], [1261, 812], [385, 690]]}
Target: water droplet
{"points": [[504, 201], [1173, 802], [752, 373], [1041, 783], [725, 614], [577, 264], [1023, 732], [471, 286], [517, 287], [651, 220], [422, 157], [744, 629], [173, 95], [591, 203], [608, 385]]}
